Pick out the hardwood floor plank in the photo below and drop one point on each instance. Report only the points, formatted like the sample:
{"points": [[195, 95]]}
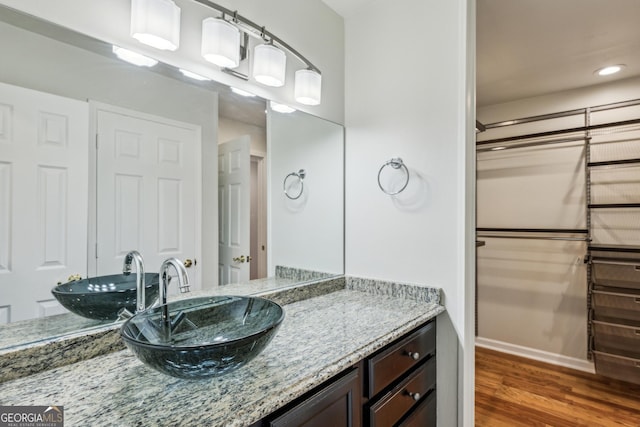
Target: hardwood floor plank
{"points": [[514, 391]]}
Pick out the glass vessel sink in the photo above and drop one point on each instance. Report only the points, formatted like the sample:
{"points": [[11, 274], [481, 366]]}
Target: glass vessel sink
{"points": [[203, 337], [103, 297]]}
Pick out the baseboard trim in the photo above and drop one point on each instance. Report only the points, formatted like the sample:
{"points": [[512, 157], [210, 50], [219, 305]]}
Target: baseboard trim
{"points": [[539, 355]]}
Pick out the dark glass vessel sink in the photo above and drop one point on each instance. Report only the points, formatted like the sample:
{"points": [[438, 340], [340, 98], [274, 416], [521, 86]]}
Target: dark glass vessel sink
{"points": [[207, 336], [103, 297]]}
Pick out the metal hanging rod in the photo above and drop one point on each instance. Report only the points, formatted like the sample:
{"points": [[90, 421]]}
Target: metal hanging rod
{"points": [[559, 132], [257, 31], [529, 233], [534, 230], [560, 114]]}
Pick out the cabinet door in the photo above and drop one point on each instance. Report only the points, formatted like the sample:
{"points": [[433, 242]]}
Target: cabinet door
{"points": [[335, 405]]}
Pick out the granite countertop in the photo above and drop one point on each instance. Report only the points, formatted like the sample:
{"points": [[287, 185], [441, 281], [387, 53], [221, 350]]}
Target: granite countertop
{"points": [[319, 337]]}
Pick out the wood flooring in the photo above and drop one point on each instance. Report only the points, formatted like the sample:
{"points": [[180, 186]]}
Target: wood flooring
{"points": [[512, 391]]}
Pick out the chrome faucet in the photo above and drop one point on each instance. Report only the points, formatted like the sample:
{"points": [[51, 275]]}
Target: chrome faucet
{"points": [[135, 257], [165, 279]]}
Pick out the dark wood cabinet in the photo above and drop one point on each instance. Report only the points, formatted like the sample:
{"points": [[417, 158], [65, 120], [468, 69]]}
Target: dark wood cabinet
{"points": [[396, 386], [336, 404], [401, 381]]}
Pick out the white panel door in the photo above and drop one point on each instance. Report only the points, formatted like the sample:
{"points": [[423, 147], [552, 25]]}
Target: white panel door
{"points": [[234, 190], [148, 193], [43, 198]]}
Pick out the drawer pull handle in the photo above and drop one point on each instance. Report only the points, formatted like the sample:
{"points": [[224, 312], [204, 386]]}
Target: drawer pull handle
{"points": [[637, 364], [637, 300], [637, 267], [414, 356], [414, 396], [637, 331]]}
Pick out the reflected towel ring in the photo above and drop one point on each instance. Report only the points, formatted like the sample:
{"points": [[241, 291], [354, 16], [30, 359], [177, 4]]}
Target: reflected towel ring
{"points": [[300, 175], [395, 163]]}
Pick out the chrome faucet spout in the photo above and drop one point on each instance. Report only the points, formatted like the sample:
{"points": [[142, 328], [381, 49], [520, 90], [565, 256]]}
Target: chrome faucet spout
{"points": [[131, 258], [183, 285]]}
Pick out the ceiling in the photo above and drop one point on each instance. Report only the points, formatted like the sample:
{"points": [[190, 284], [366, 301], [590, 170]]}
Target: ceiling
{"points": [[526, 48]]}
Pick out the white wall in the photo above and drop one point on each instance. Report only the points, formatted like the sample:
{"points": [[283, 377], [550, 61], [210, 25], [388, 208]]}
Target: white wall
{"points": [[229, 129], [532, 295], [405, 97], [310, 229], [317, 32]]}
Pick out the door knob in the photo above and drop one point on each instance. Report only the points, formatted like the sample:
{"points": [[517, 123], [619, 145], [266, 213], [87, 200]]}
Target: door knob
{"points": [[188, 263], [240, 259]]}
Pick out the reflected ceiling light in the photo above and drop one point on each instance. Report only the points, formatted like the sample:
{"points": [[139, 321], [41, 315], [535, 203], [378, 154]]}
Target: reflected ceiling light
{"points": [[611, 69], [498, 148], [134, 57], [269, 65], [281, 108], [156, 23], [220, 43], [241, 92], [308, 87], [193, 75]]}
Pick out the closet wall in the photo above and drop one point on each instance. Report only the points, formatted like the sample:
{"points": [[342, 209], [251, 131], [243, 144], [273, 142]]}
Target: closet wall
{"points": [[532, 286]]}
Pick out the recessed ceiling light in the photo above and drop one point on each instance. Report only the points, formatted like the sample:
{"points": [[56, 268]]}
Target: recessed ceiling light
{"points": [[611, 69], [134, 57], [241, 92], [193, 75]]}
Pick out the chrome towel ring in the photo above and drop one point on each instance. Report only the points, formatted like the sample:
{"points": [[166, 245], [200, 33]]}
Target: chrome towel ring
{"points": [[300, 175], [395, 163]]}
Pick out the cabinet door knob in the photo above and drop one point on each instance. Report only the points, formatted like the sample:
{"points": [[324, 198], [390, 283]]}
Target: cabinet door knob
{"points": [[414, 396], [414, 356]]}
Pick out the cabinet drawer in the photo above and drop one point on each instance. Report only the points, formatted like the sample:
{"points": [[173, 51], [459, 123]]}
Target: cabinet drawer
{"points": [[618, 367], [616, 303], [392, 363], [625, 275], [399, 401], [617, 338], [424, 415]]}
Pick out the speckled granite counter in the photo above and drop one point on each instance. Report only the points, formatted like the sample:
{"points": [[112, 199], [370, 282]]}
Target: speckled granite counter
{"points": [[56, 351], [319, 338]]}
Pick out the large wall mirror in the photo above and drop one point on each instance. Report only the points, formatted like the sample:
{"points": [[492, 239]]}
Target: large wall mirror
{"points": [[244, 192]]}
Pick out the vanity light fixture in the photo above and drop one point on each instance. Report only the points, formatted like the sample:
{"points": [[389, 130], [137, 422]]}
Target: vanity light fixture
{"points": [[156, 23], [133, 57], [281, 108], [308, 87], [220, 42], [269, 65], [241, 92], [193, 75], [611, 69], [269, 57]]}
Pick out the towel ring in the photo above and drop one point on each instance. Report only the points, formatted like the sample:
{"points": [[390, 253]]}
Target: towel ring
{"points": [[395, 163], [300, 175]]}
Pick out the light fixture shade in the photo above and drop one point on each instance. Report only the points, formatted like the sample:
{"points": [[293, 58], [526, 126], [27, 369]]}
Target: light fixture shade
{"points": [[281, 108], [134, 58], [269, 65], [220, 43], [156, 23], [308, 87]]}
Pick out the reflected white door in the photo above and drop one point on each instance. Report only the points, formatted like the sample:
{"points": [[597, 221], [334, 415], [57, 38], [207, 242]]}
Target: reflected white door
{"points": [[234, 188], [148, 197], [43, 199]]}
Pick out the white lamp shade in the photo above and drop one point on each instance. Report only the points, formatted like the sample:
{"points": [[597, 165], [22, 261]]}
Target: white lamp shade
{"points": [[220, 43], [134, 58], [269, 65], [308, 87], [156, 23]]}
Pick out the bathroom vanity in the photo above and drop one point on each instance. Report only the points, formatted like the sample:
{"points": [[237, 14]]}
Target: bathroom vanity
{"points": [[362, 352]]}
